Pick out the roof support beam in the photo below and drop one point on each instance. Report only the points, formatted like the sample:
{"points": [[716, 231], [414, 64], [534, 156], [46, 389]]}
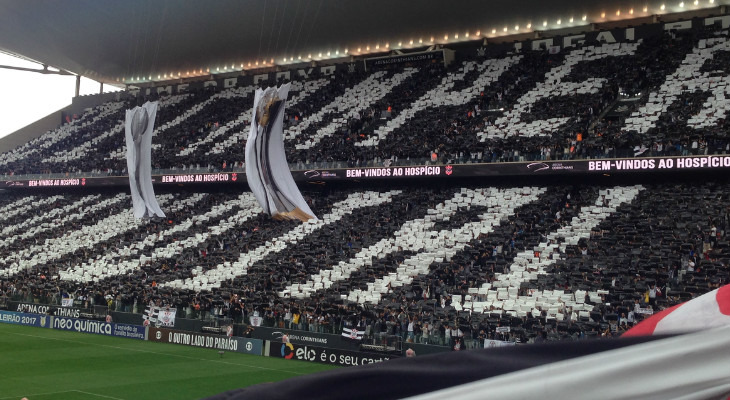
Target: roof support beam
{"points": [[45, 70]]}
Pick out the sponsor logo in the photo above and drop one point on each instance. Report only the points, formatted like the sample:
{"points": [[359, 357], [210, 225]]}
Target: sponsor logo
{"points": [[449, 170], [44, 309], [313, 173], [241, 345], [327, 356], [537, 166], [83, 325], [11, 317], [97, 327], [288, 355], [300, 338]]}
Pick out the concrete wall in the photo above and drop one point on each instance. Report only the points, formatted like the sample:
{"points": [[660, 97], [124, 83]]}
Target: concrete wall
{"points": [[32, 131], [54, 119]]}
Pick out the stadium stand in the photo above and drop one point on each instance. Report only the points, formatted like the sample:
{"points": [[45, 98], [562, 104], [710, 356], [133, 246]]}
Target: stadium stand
{"points": [[523, 106], [429, 264], [552, 262]]}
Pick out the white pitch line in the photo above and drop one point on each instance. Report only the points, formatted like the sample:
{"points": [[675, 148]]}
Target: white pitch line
{"points": [[63, 391], [35, 394], [157, 353], [97, 395]]}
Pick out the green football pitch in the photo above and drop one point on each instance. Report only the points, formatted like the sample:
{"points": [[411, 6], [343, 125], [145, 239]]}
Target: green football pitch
{"points": [[45, 364]]}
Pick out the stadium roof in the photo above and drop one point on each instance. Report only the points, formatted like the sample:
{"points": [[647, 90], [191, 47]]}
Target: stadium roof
{"points": [[140, 40]]}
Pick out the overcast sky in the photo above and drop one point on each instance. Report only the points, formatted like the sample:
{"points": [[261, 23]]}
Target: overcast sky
{"points": [[26, 97]]}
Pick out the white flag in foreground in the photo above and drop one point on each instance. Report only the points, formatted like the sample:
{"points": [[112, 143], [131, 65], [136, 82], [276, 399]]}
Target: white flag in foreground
{"points": [[692, 366], [267, 171], [138, 127]]}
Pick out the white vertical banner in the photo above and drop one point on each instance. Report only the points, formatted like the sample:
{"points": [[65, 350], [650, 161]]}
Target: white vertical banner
{"points": [[138, 127], [267, 170]]}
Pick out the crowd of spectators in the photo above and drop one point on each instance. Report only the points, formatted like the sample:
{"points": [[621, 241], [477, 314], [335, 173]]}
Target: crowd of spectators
{"points": [[667, 246], [445, 134]]}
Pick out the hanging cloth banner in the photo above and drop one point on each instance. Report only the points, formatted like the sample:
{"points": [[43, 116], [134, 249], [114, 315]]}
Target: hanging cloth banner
{"points": [[138, 127], [267, 171]]}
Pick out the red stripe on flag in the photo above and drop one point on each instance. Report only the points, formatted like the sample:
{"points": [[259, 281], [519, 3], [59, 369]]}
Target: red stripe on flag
{"points": [[647, 326], [723, 299]]}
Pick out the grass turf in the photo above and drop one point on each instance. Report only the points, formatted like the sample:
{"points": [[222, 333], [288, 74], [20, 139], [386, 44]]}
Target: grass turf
{"points": [[45, 364]]}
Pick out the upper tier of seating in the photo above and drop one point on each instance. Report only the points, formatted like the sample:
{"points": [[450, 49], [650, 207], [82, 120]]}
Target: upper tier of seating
{"points": [[665, 95], [559, 261]]}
